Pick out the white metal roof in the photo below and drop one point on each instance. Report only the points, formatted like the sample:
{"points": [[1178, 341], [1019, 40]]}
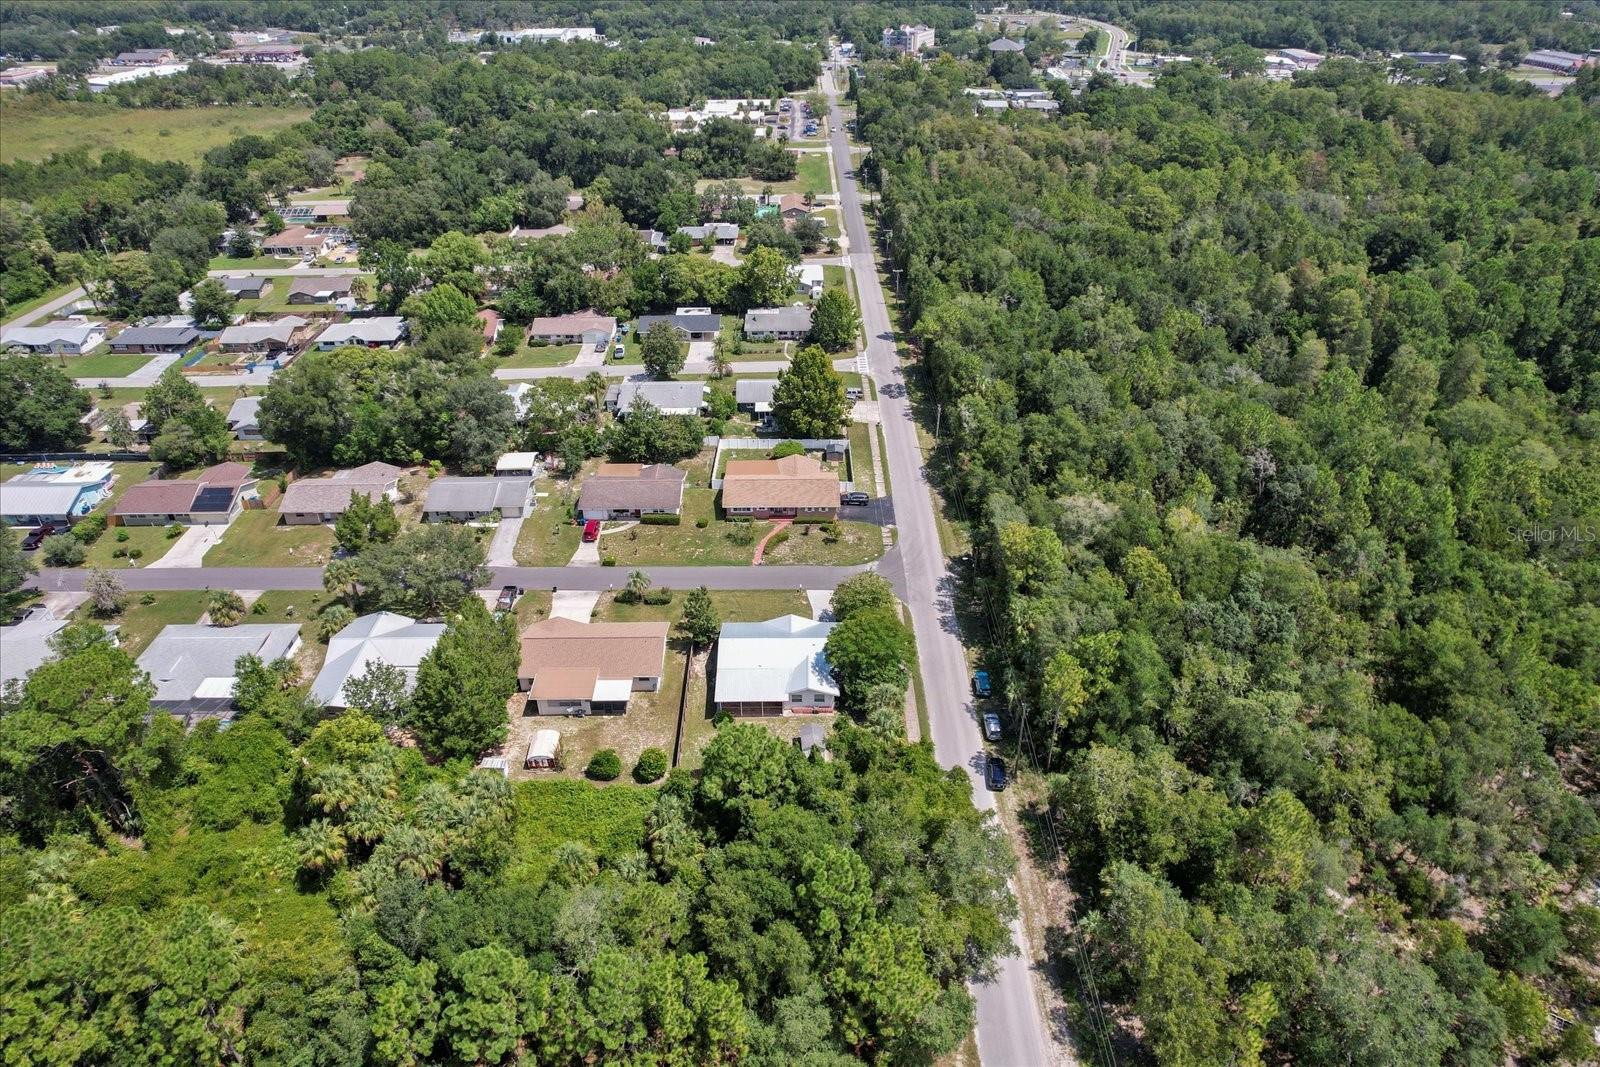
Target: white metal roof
{"points": [[381, 637], [767, 661]]}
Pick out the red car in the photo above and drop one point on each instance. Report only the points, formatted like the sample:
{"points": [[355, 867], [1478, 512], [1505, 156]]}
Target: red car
{"points": [[591, 531]]}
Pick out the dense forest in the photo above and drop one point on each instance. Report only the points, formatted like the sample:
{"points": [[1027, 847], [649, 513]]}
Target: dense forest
{"points": [[266, 894], [1275, 411]]}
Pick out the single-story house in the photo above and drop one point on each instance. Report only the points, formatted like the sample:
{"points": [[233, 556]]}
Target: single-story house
{"points": [[382, 637], [381, 331], [313, 500], [575, 668], [692, 324], [669, 398], [53, 494], [755, 394], [722, 233], [163, 339], [775, 667], [70, 337], [793, 207], [319, 290], [261, 338], [26, 645], [577, 328], [544, 751], [192, 665], [654, 238], [629, 490], [491, 325], [297, 242], [243, 418], [777, 324], [808, 279], [467, 499], [1005, 44], [787, 487], [518, 465], [251, 287], [215, 498]]}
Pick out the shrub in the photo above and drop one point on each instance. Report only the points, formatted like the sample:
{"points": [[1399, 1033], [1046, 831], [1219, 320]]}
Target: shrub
{"points": [[89, 529], [148, 599], [812, 520], [777, 539], [122, 535], [63, 550], [787, 448], [651, 766], [658, 596], [701, 524], [609, 561], [135, 553], [604, 766], [119, 553], [660, 520], [174, 531], [742, 533]]}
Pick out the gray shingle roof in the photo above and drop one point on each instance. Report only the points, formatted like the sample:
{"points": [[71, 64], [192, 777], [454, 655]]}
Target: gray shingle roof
{"points": [[156, 335], [192, 665], [777, 320], [478, 496], [666, 396]]}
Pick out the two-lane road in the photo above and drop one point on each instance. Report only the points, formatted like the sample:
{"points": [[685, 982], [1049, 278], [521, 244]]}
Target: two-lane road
{"points": [[1011, 1027]]}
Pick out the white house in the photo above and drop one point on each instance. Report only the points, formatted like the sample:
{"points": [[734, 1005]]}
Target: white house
{"points": [[68, 337], [777, 667], [382, 637]]}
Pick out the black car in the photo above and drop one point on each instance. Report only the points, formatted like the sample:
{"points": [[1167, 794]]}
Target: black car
{"points": [[508, 598], [859, 500], [36, 537], [994, 774]]}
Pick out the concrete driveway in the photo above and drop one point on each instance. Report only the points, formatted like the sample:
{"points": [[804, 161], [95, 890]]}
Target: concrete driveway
{"points": [[701, 352], [502, 546], [190, 549], [575, 604]]}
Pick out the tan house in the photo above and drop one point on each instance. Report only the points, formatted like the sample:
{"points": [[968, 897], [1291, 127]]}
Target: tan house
{"points": [[297, 242], [313, 500], [779, 488], [578, 668], [793, 207], [578, 328], [629, 490]]}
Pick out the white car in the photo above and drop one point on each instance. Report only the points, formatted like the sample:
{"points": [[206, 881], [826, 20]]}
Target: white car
{"points": [[991, 726]]}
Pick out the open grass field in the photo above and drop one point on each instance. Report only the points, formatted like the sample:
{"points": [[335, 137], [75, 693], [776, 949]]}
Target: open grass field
{"points": [[250, 263], [139, 622], [37, 127], [255, 539], [549, 536], [530, 356], [102, 364]]}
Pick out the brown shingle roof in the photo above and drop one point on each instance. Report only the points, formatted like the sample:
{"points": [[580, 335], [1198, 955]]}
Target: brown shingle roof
{"points": [[565, 658], [171, 496], [576, 322], [790, 482], [331, 495], [226, 474], [632, 487]]}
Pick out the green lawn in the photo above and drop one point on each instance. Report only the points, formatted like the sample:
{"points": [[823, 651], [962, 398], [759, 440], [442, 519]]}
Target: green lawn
{"points": [[14, 311], [814, 175], [861, 459], [834, 276], [139, 622], [732, 605], [276, 300], [255, 539], [264, 262], [37, 127], [807, 544], [532, 356], [107, 364], [151, 542], [684, 545], [549, 537]]}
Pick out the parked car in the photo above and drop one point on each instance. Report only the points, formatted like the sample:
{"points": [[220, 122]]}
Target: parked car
{"points": [[508, 598], [856, 499], [980, 683], [994, 774], [853, 393], [991, 726], [591, 531], [619, 352], [36, 537]]}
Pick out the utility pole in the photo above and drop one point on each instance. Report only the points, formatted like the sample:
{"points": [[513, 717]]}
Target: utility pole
{"points": [[897, 283]]}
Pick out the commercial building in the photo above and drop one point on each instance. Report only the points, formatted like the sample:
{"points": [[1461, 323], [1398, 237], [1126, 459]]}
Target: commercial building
{"points": [[908, 40]]}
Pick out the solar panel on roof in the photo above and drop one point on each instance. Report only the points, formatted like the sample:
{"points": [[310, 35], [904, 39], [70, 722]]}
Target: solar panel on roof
{"points": [[215, 498]]}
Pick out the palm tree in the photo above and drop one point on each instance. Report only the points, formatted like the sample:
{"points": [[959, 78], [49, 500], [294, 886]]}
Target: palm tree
{"points": [[321, 846], [368, 821], [594, 385], [721, 365], [638, 582], [408, 850], [335, 790]]}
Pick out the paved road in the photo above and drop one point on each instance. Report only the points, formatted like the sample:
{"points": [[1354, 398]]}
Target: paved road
{"points": [[146, 579], [44, 310], [1011, 1028], [636, 371]]}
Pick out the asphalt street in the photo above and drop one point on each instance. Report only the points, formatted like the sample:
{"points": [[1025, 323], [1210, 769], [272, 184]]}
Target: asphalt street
{"points": [[1011, 1028]]}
